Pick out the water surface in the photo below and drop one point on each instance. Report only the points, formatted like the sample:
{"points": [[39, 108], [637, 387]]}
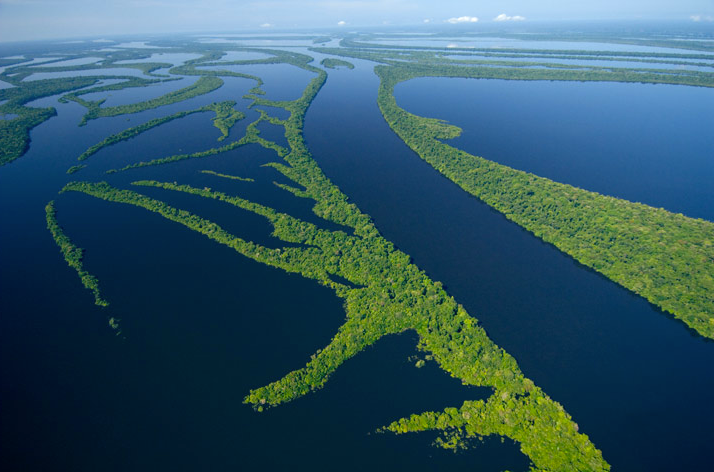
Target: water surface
{"points": [[641, 142], [631, 377]]}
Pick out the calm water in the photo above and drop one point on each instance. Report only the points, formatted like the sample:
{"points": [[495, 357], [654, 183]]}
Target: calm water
{"points": [[203, 325], [632, 378], [646, 143]]}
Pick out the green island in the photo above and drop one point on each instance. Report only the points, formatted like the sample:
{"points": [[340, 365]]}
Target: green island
{"points": [[252, 136], [332, 63], [666, 258], [388, 294], [94, 109], [226, 176], [72, 254], [226, 117]]}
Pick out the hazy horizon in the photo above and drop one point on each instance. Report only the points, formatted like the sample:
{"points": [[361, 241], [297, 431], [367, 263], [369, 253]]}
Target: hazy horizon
{"points": [[22, 20]]}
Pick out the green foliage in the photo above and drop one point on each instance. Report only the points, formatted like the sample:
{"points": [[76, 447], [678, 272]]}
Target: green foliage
{"points": [[15, 133], [226, 117], [226, 176], [383, 291], [252, 136], [387, 294], [76, 168], [72, 254], [430, 64], [126, 82], [332, 63], [94, 109], [667, 258]]}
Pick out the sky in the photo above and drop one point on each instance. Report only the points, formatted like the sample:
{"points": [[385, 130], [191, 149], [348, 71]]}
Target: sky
{"points": [[53, 19]]}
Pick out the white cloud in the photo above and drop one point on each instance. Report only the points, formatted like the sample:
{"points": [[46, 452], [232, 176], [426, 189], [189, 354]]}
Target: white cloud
{"points": [[427, 20], [266, 25], [699, 18], [462, 19], [341, 23], [504, 17]]}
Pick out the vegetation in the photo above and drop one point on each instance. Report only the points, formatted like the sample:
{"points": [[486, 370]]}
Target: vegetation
{"points": [[332, 63], [226, 176], [664, 257], [252, 136], [424, 65], [383, 292], [225, 118], [125, 83], [94, 110], [386, 294], [76, 168], [15, 133], [72, 254]]}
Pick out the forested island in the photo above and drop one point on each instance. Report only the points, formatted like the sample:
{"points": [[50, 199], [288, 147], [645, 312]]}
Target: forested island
{"points": [[664, 257]]}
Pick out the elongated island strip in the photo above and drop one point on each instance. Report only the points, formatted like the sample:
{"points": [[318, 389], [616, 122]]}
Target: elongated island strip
{"points": [[436, 64], [388, 295], [72, 254], [665, 257], [226, 176], [226, 117], [252, 136], [350, 43], [202, 86], [332, 63]]}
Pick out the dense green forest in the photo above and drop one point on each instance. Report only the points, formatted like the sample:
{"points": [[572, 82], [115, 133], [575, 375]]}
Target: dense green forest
{"points": [[72, 254], [94, 109], [665, 257], [332, 63], [226, 117], [15, 133], [388, 294]]}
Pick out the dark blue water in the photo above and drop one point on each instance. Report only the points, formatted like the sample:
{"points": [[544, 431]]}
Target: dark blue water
{"points": [[201, 326], [645, 143], [635, 380]]}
